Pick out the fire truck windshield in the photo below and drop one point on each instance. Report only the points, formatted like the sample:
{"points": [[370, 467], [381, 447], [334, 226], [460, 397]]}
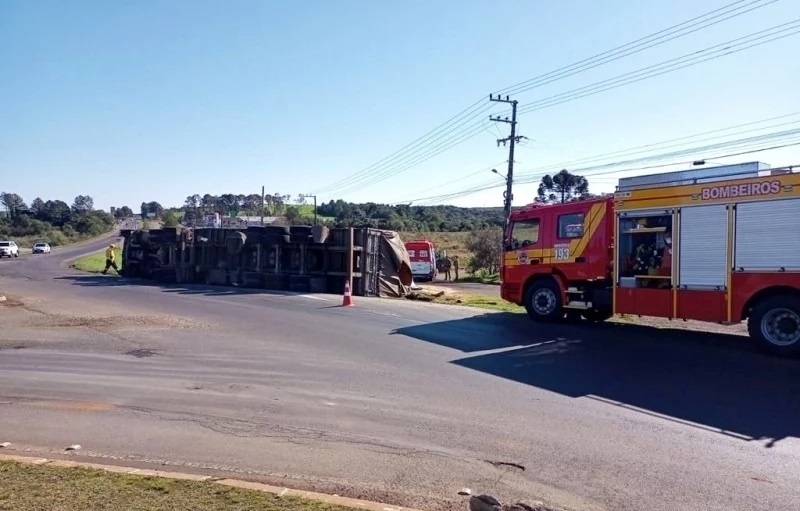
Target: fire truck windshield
{"points": [[524, 233]]}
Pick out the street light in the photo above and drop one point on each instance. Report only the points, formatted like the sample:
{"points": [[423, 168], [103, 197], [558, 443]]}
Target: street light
{"points": [[506, 198], [500, 174]]}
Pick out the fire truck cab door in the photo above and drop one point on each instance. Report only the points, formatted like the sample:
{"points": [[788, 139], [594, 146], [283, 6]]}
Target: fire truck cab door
{"points": [[578, 241], [526, 243]]}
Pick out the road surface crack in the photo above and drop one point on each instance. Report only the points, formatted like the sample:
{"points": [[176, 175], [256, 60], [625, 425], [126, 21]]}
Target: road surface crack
{"points": [[242, 428]]}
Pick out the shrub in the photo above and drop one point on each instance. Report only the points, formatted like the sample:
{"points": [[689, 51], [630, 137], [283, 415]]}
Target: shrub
{"points": [[486, 248]]}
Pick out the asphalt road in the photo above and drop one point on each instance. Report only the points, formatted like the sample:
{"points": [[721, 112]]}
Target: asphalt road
{"points": [[397, 401]]}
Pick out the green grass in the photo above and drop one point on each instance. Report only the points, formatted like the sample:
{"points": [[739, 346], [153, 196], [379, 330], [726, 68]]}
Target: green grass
{"points": [[95, 263], [307, 211], [53, 238], [34, 488], [485, 302], [494, 303], [491, 303], [482, 278]]}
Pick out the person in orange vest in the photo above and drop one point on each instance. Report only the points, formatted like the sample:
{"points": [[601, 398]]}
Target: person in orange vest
{"points": [[111, 259]]}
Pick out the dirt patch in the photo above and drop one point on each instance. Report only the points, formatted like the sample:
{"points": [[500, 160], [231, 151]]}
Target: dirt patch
{"points": [[13, 347], [142, 322], [74, 406], [680, 324], [9, 301], [141, 353]]}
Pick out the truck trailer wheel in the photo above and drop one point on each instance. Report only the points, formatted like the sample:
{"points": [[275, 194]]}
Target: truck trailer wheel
{"points": [[543, 301], [774, 323]]}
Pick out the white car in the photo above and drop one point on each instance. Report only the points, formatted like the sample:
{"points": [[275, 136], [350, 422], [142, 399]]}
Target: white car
{"points": [[41, 248], [9, 249]]}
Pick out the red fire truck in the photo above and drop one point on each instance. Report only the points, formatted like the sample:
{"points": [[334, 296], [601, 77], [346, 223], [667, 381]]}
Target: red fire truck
{"points": [[718, 244]]}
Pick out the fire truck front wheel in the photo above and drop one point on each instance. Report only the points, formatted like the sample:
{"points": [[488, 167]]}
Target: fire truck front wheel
{"points": [[543, 301], [775, 324]]}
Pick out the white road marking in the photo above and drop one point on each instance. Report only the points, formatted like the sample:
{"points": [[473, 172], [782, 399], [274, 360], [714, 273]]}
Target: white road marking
{"points": [[313, 297], [376, 313]]}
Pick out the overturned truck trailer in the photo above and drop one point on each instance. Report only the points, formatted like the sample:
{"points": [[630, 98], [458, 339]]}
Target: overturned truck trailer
{"points": [[299, 258]]}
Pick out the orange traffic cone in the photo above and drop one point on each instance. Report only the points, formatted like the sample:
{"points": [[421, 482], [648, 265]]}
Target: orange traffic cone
{"points": [[347, 300]]}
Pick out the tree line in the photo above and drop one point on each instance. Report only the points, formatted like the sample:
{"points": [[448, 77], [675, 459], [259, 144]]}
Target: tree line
{"points": [[335, 213], [51, 221], [406, 217], [560, 187]]}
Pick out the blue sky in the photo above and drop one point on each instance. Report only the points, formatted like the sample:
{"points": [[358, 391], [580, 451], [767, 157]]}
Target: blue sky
{"points": [[136, 101]]}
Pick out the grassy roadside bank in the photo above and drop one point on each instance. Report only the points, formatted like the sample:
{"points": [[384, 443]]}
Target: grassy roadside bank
{"points": [[95, 263], [445, 296], [57, 240], [481, 278], [33, 488]]}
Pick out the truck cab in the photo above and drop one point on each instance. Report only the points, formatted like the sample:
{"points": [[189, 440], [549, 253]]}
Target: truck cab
{"points": [[423, 260], [560, 256]]}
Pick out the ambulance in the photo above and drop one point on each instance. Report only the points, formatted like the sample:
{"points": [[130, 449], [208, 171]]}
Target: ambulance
{"points": [[423, 260], [718, 244]]}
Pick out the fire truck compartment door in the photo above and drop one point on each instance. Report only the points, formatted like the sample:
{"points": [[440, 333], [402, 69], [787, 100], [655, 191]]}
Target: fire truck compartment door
{"points": [[766, 235], [703, 247]]}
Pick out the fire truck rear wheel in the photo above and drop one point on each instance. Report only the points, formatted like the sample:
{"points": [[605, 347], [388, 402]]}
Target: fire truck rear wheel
{"points": [[774, 323], [543, 301]]}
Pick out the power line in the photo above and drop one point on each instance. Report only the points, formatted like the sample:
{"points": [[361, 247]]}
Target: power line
{"points": [[470, 110], [361, 178], [668, 66], [633, 48], [431, 147], [738, 144], [661, 145], [717, 51], [756, 148], [687, 139], [465, 193], [427, 154], [482, 171]]}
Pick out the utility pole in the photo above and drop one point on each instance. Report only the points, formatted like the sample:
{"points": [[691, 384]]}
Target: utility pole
{"points": [[511, 140], [308, 196], [262, 206]]}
